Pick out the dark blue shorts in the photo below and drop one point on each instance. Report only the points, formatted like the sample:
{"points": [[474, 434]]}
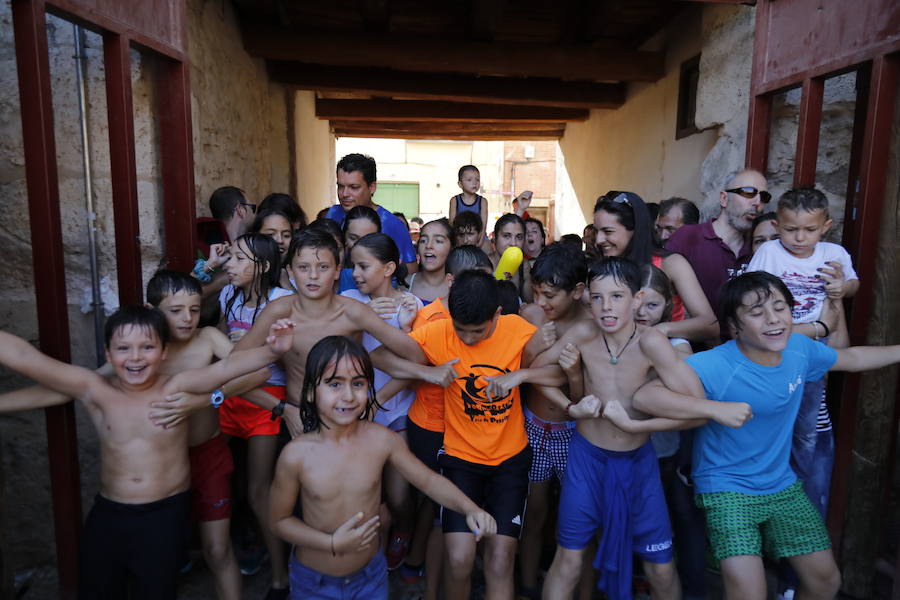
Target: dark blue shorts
{"points": [[620, 494], [369, 583]]}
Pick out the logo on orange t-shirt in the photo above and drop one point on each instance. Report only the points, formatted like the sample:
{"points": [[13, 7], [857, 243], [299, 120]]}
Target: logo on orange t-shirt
{"points": [[477, 405]]}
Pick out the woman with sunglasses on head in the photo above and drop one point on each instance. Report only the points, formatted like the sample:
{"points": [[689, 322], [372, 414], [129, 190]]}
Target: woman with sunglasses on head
{"points": [[624, 229]]}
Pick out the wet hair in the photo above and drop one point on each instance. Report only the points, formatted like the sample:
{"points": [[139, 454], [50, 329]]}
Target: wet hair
{"points": [[463, 169], [560, 265], [286, 204], [540, 227], [383, 247], [509, 298], [224, 201], [463, 258], [329, 352], [807, 199], [632, 214], [506, 220], [263, 249], [572, 239], [263, 213], [360, 212], [137, 316], [656, 279], [690, 214], [467, 220], [620, 269], [732, 294], [329, 226], [363, 163], [474, 298], [313, 237], [760, 219], [166, 282]]}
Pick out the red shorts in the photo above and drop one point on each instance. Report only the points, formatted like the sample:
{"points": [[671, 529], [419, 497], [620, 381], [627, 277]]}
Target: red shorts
{"points": [[243, 419], [211, 468]]}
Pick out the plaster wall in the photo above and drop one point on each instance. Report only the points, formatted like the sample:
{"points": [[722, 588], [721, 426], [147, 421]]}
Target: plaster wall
{"points": [[240, 138], [634, 146], [314, 143]]}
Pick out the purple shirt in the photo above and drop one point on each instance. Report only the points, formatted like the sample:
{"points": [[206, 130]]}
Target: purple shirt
{"points": [[713, 261], [390, 225]]}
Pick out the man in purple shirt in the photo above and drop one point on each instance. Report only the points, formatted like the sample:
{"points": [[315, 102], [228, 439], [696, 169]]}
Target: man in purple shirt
{"points": [[720, 249], [356, 184]]}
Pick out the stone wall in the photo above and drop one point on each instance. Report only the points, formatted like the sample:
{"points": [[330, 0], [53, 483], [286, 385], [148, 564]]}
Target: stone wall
{"points": [[240, 138]]}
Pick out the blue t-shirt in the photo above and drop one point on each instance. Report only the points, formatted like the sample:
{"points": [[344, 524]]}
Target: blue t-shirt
{"points": [[755, 458], [390, 225]]}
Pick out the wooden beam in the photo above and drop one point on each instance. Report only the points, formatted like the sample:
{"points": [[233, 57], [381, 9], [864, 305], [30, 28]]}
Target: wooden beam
{"points": [[483, 16], [507, 59], [455, 88], [376, 15], [444, 127], [429, 110], [809, 123]]}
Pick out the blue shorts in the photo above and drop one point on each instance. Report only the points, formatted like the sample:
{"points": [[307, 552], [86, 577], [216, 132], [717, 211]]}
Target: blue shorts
{"points": [[620, 494], [369, 583], [550, 442]]}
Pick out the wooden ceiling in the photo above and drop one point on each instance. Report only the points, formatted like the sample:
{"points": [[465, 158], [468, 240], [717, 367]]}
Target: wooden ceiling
{"points": [[457, 69]]}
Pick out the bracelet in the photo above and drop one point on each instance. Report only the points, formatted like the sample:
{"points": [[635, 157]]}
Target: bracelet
{"points": [[824, 327], [199, 271], [333, 553], [568, 406]]}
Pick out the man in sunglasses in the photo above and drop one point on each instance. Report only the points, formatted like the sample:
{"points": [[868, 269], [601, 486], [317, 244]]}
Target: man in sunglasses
{"points": [[720, 249]]}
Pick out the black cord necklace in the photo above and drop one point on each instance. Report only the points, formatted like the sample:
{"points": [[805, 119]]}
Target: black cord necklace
{"points": [[614, 359]]}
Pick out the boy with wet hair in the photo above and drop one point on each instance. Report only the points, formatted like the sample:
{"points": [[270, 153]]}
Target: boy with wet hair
{"points": [[335, 469], [139, 522], [558, 277], [467, 229], [612, 477], [752, 498]]}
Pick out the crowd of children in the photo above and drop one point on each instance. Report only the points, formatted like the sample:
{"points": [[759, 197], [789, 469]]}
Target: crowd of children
{"points": [[431, 405]]}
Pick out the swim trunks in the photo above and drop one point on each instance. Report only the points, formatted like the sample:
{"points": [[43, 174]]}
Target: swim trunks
{"points": [[368, 583], [241, 418], [619, 493], [211, 469], [550, 443]]}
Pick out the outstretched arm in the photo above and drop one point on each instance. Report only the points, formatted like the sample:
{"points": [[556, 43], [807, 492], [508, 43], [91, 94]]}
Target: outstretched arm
{"points": [[438, 488], [672, 370], [68, 380], [618, 416], [385, 360], [393, 339], [656, 399], [865, 358]]}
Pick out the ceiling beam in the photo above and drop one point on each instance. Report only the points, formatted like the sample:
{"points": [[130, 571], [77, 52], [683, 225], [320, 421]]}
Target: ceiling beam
{"points": [[456, 88], [442, 127], [506, 59], [430, 110], [483, 16], [376, 15]]}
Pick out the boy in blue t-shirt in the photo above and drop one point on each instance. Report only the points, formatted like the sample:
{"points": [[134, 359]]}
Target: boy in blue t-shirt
{"points": [[743, 478]]}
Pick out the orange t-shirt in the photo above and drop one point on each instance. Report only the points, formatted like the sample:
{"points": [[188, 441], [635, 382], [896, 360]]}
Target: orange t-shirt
{"points": [[475, 429], [427, 410]]}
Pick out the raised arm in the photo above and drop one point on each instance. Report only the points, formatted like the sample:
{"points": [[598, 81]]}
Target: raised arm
{"points": [[438, 488], [701, 324], [68, 380]]}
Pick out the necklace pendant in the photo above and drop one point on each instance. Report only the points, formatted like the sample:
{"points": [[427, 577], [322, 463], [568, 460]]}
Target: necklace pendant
{"points": [[613, 360]]}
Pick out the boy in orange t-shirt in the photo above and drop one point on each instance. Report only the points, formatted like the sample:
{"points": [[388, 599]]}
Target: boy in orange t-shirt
{"points": [[486, 452]]}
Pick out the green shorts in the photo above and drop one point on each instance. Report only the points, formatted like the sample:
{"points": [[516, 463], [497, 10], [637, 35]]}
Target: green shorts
{"points": [[785, 522]]}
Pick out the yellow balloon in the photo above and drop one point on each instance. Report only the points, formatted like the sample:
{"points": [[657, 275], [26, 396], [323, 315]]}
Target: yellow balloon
{"points": [[509, 262]]}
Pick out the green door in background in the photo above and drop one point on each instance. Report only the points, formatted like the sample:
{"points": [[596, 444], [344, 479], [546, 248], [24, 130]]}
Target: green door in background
{"points": [[398, 197]]}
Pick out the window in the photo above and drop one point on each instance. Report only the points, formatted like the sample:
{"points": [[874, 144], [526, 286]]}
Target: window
{"points": [[687, 98], [398, 197]]}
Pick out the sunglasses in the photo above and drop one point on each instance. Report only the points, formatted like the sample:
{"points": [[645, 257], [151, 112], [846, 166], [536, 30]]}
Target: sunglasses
{"points": [[751, 192], [621, 198]]}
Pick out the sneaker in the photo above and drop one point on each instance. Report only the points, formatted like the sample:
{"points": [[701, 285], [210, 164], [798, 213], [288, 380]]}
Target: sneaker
{"points": [[396, 550], [251, 561], [411, 575]]}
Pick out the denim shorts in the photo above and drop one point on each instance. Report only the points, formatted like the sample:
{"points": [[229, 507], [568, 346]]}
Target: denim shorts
{"points": [[368, 583]]}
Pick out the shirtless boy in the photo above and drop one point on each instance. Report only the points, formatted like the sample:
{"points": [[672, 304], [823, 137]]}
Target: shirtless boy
{"points": [[335, 470], [612, 479], [138, 523], [314, 260], [558, 278]]}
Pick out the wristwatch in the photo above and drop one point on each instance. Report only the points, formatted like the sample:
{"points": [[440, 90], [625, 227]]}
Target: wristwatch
{"points": [[216, 399], [278, 409]]}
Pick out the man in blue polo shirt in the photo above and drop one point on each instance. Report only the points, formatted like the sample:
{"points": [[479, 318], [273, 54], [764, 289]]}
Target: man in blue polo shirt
{"points": [[356, 184]]}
